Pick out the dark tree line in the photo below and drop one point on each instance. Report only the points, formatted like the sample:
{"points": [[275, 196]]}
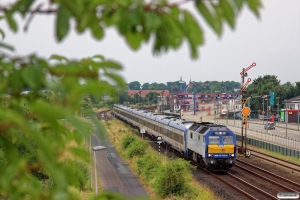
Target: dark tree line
{"points": [[190, 86]]}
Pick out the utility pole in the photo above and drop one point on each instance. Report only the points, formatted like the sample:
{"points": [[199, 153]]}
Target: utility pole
{"points": [[245, 110]]}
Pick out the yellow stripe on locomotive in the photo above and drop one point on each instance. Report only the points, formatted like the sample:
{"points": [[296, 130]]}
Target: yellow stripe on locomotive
{"points": [[214, 148]]}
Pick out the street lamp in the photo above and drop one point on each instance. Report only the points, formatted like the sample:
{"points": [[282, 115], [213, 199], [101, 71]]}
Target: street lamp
{"points": [[267, 108], [97, 148], [263, 103], [298, 114], [278, 118], [285, 117]]}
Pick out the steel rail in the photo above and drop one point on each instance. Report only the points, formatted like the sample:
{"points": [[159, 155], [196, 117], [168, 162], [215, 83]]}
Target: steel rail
{"points": [[266, 179], [280, 177]]}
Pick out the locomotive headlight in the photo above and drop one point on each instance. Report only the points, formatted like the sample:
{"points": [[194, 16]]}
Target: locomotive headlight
{"points": [[210, 155], [231, 155]]}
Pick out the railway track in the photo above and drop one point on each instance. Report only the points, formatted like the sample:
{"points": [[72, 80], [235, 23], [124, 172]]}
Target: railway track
{"points": [[278, 161]]}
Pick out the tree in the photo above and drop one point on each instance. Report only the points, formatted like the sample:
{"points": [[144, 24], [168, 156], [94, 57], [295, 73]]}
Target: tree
{"points": [[31, 122], [263, 86], [135, 85], [145, 86]]}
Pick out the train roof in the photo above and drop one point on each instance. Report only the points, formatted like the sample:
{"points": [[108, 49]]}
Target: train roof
{"points": [[204, 126]]}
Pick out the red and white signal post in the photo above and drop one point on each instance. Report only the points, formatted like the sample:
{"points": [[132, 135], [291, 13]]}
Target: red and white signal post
{"points": [[245, 111]]}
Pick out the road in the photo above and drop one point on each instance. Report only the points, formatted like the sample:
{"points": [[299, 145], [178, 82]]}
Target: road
{"points": [[114, 173]]}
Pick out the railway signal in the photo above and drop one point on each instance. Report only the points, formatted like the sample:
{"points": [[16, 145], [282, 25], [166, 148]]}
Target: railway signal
{"points": [[245, 110]]}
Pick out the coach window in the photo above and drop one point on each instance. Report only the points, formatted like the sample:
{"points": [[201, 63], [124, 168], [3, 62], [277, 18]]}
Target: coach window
{"points": [[191, 135], [199, 137]]}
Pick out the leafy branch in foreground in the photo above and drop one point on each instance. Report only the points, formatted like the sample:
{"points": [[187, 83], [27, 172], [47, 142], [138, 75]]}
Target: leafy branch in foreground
{"points": [[137, 21], [33, 122]]}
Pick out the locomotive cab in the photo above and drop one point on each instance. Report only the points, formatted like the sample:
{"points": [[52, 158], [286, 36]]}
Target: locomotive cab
{"points": [[220, 149], [212, 146]]}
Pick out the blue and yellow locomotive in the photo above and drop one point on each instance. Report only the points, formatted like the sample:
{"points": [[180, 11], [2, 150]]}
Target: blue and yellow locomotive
{"points": [[210, 145]]}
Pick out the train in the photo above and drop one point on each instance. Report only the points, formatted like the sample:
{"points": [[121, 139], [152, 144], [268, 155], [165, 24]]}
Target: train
{"points": [[212, 146]]}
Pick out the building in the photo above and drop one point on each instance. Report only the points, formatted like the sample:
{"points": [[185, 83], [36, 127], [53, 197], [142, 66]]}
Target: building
{"points": [[292, 104], [290, 111], [143, 93]]}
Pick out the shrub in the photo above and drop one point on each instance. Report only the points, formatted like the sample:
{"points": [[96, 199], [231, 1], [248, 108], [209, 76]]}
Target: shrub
{"points": [[147, 166], [172, 179], [136, 148], [127, 140]]}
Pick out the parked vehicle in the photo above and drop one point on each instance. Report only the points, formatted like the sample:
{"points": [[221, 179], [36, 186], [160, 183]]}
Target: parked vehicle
{"points": [[270, 125]]}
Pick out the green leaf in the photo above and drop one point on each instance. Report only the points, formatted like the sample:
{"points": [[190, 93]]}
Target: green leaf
{"points": [[118, 79], [83, 22], [239, 4], [58, 57], [109, 64], [134, 39], [62, 22], [208, 16], [97, 30], [80, 153], [101, 57], [254, 6], [14, 82], [228, 12], [193, 33], [192, 28], [33, 77], [72, 7], [2, 33], [25, 6], [11, 22], [152, 21], [6, 46]]}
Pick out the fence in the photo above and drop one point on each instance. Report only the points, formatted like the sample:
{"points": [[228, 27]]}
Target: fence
{"points": [[272, 147]]}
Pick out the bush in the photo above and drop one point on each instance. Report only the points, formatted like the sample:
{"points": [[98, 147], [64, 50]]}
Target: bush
{"points": [[127, 140], [147, 166], [172, 179], [136, 148]]}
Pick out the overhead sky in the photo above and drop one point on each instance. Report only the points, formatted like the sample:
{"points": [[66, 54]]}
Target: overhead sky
{"points": [[272, 42]]}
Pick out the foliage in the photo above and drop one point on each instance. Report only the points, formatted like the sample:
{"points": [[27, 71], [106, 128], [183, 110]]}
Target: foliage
{"points": [[172, 179], [36, 117], [127, 141], [138, 21], [137, 149], [263, 86], [147, 166]]}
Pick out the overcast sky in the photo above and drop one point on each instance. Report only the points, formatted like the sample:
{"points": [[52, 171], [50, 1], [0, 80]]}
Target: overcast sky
{"points": [[273, 42]]}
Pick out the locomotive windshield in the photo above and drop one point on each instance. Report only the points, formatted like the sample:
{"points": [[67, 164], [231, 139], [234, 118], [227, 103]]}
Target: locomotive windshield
{"points": [[216, 139], [213, 139], [227, 139]]}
